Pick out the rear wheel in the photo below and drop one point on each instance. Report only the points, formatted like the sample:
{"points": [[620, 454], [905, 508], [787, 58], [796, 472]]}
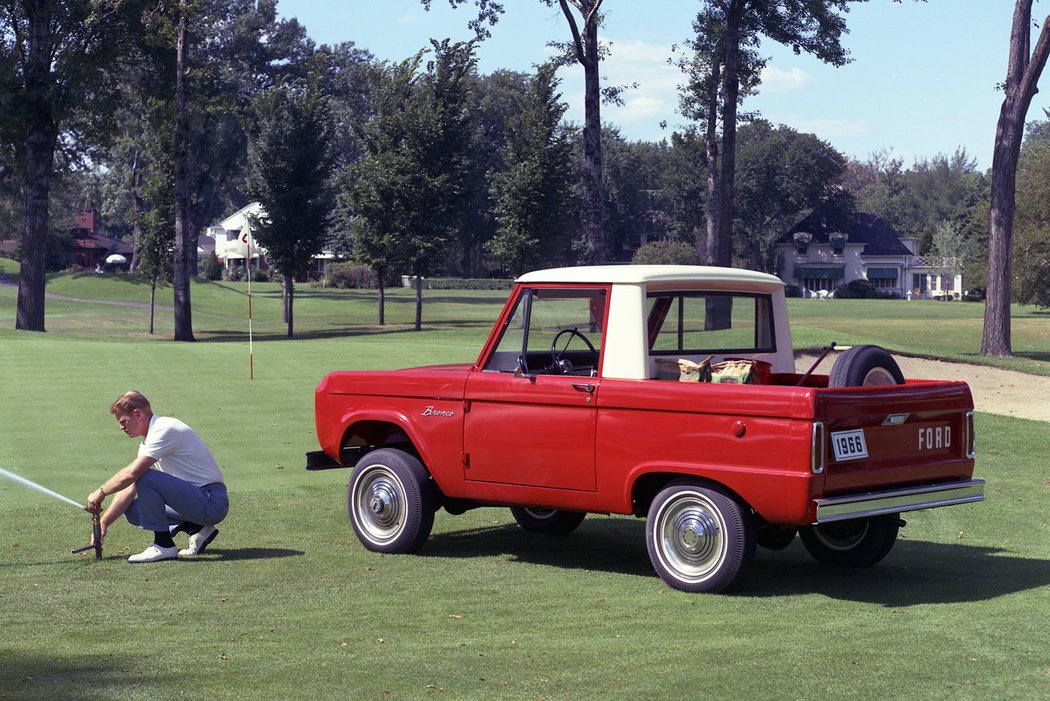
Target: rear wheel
{"points": [[860, 366], [699, 539], [549, 521], [853, 543], [391, 502]]}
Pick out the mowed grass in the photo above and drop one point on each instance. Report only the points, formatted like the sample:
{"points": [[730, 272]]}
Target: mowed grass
{"points": [[287, 605]]}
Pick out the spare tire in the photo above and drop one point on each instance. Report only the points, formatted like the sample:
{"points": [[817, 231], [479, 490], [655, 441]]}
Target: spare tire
{"points": [[865, 365]]}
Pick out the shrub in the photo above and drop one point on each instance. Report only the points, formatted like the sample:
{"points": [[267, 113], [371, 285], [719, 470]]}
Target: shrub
{"points": [[977, 294], [856, 289], [456, 283], [351, 277], [210, 268], [666, 253], [792, 291]]}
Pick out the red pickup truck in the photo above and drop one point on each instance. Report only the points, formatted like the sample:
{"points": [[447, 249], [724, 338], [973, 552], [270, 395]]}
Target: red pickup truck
{"points": [[666, 392]]}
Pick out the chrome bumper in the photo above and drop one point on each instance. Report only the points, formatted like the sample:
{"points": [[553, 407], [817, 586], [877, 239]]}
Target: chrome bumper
{"points": [[896, 501]]}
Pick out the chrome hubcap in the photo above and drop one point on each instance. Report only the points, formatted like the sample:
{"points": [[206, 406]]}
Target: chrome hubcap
{"points": [[691, 536], [380, 504]]}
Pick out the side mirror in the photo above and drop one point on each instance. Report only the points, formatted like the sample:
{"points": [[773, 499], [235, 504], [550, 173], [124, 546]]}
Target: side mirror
{"points": [[523, 370]]}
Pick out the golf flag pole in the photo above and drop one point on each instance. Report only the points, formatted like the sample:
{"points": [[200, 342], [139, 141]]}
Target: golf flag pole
{"points": [[248, 243]]}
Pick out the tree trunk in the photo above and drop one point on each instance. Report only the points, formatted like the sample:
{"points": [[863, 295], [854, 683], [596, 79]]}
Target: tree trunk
{"points": [[152, 300], [185, 241], [289, 296], [1022, 77], [41, 132], [382, 295], [419, 301], [587, 55], [730, 92], [709, 252], [140, 209]]}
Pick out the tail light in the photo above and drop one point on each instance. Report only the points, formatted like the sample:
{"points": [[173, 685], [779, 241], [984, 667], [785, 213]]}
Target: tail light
{"points": [[971, 438], [816, 448]]}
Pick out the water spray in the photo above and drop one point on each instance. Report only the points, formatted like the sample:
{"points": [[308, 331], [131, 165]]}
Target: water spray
{"points": [[96, 521]]}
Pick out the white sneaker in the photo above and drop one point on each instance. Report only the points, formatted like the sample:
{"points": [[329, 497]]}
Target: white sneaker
{"points": [[199, 540], [154, 553]]}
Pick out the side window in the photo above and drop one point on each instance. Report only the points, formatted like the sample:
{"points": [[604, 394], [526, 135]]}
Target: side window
{"points": [[693, 323], [553, 331]]}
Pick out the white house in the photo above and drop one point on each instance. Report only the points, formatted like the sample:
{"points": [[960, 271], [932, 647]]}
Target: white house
{"points": [[820, 253], [233, 240]]}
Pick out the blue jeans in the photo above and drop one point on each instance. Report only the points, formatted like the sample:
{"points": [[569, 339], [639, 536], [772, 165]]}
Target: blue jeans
{"points": [[164, 501]]}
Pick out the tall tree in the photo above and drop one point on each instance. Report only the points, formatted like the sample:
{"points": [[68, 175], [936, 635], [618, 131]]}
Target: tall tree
{"points": [[185, 236], [290, 164], [373, 192], [439, 143], [1025, 65], [726, 67], [531, 191], [61, 53], [585, 50], [780, 174]]}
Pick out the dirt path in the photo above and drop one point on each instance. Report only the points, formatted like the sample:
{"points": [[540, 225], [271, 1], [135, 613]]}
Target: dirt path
{"points": [[995, 391]]}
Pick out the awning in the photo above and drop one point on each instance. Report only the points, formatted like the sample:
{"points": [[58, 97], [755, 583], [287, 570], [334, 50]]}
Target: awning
{"points": [[883, 273], [833, 272]]}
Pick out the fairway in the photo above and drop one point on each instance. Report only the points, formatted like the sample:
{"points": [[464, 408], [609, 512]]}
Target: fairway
{"points": [[287, 605]]}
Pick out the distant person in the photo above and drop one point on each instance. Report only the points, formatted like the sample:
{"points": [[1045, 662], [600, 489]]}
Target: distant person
{"points": [[173, 485], [98, 268]]}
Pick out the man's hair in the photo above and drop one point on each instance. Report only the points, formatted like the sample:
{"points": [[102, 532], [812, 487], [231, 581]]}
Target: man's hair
{"points": [[128, 402]]}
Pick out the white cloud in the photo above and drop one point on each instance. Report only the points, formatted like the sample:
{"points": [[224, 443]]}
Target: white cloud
{"points": [[778, 80], [827, 128], [410, 19], [652, 101]]}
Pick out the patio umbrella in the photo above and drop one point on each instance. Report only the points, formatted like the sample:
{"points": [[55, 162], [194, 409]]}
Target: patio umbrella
{"points": [[116, 259]]}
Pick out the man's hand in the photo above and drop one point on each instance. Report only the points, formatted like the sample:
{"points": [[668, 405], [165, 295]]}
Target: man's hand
{"points": [[94, 502]]}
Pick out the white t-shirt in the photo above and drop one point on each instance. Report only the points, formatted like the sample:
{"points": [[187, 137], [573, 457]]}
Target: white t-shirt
{"points": [[179, 452]]}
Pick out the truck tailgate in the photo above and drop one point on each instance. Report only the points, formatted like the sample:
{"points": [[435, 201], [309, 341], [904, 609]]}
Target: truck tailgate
{"points": [[883, 436]]}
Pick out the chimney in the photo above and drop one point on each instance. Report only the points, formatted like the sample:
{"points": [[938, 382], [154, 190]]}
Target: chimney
{"points": [[86, 220]]}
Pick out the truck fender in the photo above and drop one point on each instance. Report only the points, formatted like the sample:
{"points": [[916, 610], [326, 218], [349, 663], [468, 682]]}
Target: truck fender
{"points": [[394, 418], [788, 504]]}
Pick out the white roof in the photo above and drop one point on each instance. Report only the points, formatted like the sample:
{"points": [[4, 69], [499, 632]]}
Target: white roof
{"points": [[641, 274]]}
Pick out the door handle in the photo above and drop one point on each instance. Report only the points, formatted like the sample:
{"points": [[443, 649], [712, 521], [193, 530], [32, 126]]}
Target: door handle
{"points": [[583, 387]]}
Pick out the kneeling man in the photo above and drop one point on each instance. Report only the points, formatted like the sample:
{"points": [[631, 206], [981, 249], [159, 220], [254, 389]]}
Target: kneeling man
{"points": [[173, 485]]}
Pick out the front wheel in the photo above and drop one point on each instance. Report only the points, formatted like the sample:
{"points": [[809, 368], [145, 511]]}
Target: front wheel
{"points": [[699, 539], [853, 543], [549, 521], [391, 502]]}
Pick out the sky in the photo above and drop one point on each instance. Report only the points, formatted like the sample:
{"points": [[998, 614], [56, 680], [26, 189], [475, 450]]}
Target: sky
{"points": [[922, 81]]}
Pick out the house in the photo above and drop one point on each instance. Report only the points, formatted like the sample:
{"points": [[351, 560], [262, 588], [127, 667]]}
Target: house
{"points": [[822, 252], [93, 251], [231, 240]]}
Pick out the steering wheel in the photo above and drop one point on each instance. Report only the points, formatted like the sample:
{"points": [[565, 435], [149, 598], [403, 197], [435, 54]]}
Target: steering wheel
{"points": [[563, 365]]}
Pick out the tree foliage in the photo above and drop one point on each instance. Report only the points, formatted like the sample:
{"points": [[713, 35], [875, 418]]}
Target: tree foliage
{"points": [[290, 164], [725, 67], [1031, 282], [781, 174], [57, 59], [531, 192]]}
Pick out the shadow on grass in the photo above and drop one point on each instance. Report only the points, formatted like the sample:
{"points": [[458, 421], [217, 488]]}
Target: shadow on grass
{"points": [[26, 676], [914, 573], [599, 544], [232, 555]]}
